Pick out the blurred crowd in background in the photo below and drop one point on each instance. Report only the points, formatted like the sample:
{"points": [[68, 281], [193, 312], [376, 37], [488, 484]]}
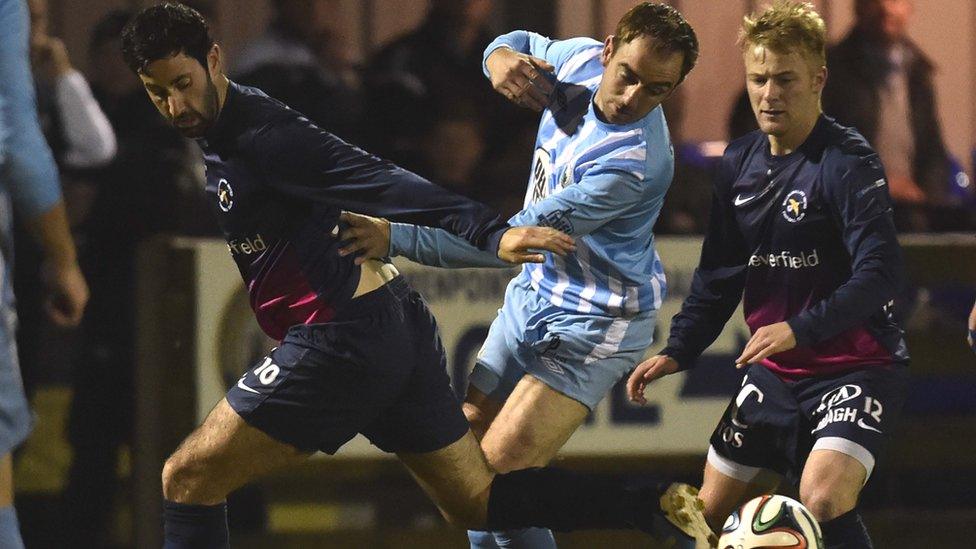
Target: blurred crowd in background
{"points": [[420, 100]]}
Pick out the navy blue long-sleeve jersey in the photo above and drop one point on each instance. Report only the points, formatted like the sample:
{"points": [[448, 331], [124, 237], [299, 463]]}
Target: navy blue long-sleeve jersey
{"points": [[278, 184], [805, 238]]}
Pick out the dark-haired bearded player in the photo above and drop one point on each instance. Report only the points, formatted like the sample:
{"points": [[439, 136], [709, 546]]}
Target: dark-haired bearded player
{"points": [[802, 222]]}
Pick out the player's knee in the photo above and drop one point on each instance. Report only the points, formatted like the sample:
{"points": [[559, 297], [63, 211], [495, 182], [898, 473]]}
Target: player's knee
{"points": [[513, 454], [826, 504], [477, 418], [470, 514], [186, 481]]}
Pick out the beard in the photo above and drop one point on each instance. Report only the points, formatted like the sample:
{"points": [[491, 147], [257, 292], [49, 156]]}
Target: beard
{"points": [[195, 123]]}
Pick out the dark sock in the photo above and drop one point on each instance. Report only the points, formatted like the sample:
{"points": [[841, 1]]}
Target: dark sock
{"points": [[846, 532], [195, 526], [564, 500]]}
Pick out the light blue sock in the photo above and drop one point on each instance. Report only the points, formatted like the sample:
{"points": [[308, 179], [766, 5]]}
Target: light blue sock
{"points": [[526, 538], [9, 529], [482, 540]]}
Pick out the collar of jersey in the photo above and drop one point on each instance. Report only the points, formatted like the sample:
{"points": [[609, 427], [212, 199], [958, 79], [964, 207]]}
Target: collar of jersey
{"points": [[215, 133], [618, 127]]}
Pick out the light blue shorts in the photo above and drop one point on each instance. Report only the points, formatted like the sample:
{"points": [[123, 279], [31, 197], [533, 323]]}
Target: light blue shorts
{"points": [[15, 415], [580, 355]]}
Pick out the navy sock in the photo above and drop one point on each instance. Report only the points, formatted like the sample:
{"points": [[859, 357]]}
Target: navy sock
{"points": [[846, 532], [195, 526], [564, 500]]}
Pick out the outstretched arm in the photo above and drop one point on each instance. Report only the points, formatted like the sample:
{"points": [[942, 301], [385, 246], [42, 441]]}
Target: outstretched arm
{"points": [[371, 237]]}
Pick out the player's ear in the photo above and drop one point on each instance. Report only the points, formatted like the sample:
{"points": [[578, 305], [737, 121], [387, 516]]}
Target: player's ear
{"points": [[215, 61], [608, 45], [820, 79]]}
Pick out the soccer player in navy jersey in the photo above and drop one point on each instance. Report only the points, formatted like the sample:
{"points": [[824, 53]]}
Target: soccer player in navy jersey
{"points": [[359, 350], [801, 230]]}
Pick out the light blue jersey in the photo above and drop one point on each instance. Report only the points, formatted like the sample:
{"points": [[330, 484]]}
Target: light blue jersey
{"points": [[29, 185], [601, 183], [580, 322]]}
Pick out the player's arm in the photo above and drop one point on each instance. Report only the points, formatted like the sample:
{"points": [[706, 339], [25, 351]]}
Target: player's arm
{"points": [[716, 289], [553, 52], [518, 65], [602, 194], [30, 172], [308, 163], [860, 202], [89, 136], [372, 237]]}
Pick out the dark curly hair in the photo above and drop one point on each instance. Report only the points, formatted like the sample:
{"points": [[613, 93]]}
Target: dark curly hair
{"points": [[162, 31], [666, 25]]}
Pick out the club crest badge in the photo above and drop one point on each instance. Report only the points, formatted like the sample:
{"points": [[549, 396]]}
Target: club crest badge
{"points": [[225, 195], [795, 206]]}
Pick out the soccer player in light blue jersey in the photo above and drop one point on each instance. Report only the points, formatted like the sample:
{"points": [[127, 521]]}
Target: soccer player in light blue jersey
{"points": [[570, 326], [29, 185]]}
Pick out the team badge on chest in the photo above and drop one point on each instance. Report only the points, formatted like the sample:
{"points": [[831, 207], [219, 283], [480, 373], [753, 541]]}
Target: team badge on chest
{"points": [[795, 206], [225, 195]]}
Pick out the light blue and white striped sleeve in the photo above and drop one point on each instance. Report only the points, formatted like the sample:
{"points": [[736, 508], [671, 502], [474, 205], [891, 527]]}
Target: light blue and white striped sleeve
{"points": [[438, 248], [602, 194], [28, 169], [555, 52]]}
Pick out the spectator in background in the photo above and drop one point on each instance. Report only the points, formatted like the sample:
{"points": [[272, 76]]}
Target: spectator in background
{"points": [[28, 185], [880, 82], [153, 186], [689, 198], [80, 137], [75, 127], [741, 119], [412, 76], [431, 70], [301, 61]]}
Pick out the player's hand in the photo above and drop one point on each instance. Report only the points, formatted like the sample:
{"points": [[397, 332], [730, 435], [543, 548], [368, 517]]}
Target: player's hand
{"points": [[653, 368], [767, 341], [971, 338], [521, 244], [50, 56], [67, 293], [367, 237], [520, 78]]}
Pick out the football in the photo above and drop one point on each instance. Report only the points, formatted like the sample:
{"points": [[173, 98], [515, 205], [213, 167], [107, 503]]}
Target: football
{"points": [[771, 521]]}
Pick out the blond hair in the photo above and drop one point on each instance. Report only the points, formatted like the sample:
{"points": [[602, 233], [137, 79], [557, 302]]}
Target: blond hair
{"points": [[787, 27]]}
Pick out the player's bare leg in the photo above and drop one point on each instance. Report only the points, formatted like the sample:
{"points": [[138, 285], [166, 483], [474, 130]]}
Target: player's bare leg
{"points": [[530, 428], [829, 488], [480, 411], [221, 455], [457, 478], [723, 494], [9, 528], [831, 483]]}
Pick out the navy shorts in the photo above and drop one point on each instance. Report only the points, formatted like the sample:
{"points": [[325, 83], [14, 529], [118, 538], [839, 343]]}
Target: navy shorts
{"points": [[774, 424], [378, 369]]}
